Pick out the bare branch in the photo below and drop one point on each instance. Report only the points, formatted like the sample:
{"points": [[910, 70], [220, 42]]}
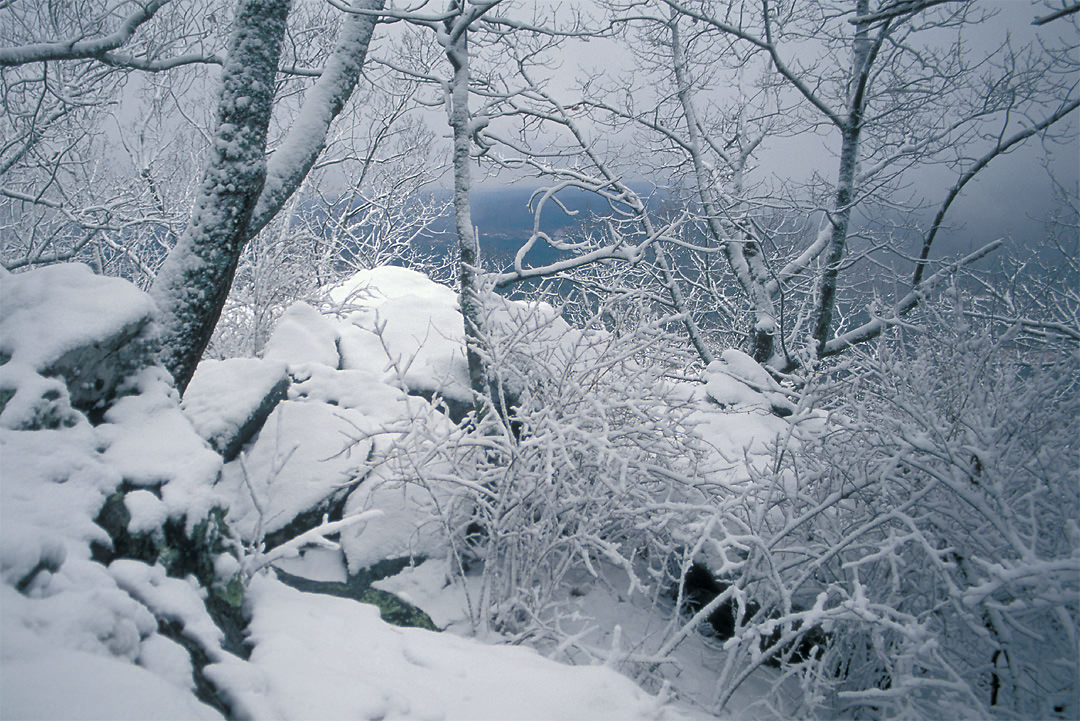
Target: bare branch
{"points": [[874, 328], [77, 48], [1001, 148], [1067, 10], [904, 7]]}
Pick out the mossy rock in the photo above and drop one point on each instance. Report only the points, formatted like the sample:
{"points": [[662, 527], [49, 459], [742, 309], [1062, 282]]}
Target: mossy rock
{"points": [[181, 555], [358, 587]]}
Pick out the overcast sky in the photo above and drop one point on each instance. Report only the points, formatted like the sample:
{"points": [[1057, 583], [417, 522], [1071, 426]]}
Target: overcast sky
{"points": [[1009, 198]]}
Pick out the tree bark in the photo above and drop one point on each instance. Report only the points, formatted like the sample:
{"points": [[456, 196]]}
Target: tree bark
{"points": [[457, 52], [291, 162], [195, 279], [850, 132], [741, 253]]}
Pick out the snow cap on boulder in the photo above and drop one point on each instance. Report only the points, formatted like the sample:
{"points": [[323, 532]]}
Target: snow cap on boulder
{"points": [[227, 401], [736, 380], [303, 335], [64, 322]]}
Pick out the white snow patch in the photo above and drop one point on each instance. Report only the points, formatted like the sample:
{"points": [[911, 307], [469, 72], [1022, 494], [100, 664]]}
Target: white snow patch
{"points": [[737, 380], [167, 659], [359, 389], [435, 589], [316, 564], [76, 685], [422, 342], [302, 335], [370, 288], [53, 485], [332, 658], [147, 511], [415, 515], [223, 394], [422, 333], [79, 607]]}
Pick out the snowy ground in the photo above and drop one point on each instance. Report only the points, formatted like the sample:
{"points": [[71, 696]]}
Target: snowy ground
{"points": [[84, 637]]}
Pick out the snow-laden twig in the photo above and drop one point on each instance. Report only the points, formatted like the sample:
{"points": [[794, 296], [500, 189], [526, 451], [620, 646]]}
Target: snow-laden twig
{"points": [[316, 536]]}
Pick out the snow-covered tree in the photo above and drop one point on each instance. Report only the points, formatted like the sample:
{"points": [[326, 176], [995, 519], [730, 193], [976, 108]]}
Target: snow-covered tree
{"points": [[241, 191], [896, 87]]}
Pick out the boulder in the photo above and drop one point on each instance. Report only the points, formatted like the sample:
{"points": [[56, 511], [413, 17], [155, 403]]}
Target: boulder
{"points": [[63, 321], [303, 335], [228, 401]]}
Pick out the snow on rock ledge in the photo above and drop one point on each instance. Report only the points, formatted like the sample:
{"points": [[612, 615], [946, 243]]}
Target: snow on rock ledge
{"points": [[62, 320], [227, 401], [303, 335]]}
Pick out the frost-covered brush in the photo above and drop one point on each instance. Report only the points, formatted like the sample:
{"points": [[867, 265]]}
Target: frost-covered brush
{"points": [[595, 430], [936, 514]]}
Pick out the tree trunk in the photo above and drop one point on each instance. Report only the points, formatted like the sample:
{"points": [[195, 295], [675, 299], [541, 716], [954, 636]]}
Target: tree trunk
{"points": [[193, 283], [292, 161], [845, 184], [192, 295], [741, 253], [457, 52]]}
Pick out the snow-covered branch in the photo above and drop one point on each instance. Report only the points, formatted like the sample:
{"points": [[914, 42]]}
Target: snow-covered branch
{"points": [[79, 47]]}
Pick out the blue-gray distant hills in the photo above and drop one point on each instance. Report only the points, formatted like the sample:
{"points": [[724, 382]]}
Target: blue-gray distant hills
{"points": [[504, 221]]}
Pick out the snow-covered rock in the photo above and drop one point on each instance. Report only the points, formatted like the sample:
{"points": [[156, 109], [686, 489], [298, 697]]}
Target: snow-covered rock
{"points": [[303, 335], [418, 340], [736, 380], [416, 515], [152, 444], [305, 455], [64, 321], [70, 636], [399, 323], [227, 401], [360, 390], [367, 289]]}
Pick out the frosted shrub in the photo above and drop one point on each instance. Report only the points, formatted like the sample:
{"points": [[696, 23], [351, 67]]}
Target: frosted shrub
{"points": [[586, 462], [934, 528], [578, 463]]}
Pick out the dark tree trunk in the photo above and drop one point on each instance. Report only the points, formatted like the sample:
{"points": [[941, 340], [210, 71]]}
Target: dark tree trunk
{"points": [[193, 283]]}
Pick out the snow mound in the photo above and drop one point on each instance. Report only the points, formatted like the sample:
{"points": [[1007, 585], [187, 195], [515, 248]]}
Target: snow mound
{"points": [[303, 335], [370, 288], [414, 520], [358, 389], [332, 658], [417, 339], [399, 323], [54, 484], [169, 598], [228, 400]]}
